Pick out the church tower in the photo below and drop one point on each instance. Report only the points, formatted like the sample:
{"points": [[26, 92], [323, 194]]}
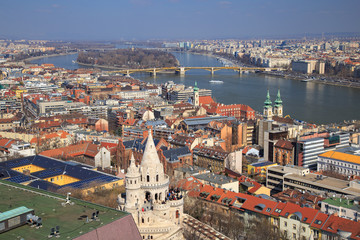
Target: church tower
{"points": [[268, 110], [196, 95], [278, 108]]}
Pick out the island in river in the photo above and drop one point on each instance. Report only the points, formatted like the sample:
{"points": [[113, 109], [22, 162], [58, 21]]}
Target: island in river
{"points": [[134, 58]]}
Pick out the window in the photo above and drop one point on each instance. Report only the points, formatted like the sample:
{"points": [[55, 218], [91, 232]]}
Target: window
{"points": [[294, 235], [148, 178], [285, 224], [304, 229], [294, 226]]}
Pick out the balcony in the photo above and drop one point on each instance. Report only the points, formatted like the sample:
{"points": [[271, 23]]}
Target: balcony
{"points": [[176, 203]]}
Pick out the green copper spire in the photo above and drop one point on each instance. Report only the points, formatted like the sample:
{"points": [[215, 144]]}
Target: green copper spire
{"points": [[278, 100], [196, 89], [268, 100]]}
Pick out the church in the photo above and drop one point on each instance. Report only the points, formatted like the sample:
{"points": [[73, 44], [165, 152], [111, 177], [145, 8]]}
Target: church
{"points": [[156, 209]]}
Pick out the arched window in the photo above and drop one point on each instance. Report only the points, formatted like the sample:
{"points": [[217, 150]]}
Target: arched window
{"points": [[157, 177], [156, 196], [142, 220], [148, 178]]}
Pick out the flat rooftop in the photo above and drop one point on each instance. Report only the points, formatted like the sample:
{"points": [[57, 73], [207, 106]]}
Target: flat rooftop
{"points": [[326, 182], [48, 206], [215, 178]]}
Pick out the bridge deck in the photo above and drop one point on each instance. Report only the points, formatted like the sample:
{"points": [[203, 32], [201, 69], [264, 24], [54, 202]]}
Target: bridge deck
{"points": [[184, 69]]}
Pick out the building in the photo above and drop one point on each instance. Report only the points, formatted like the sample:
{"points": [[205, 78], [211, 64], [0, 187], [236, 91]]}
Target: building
{"points": [[219, 181], [268, 110], [148, 197], [306, 199], [186, 94], [76, 219], [342, 207], [308, 66], [307, 152], [87, 153], [271, 137], [259, 168], [284, 151], [310, 146], [295, 221], [53, 175], [211, 158], [280, 178], [345, 161]]}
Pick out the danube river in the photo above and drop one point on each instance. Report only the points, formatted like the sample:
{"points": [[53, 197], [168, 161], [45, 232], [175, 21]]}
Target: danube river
{"points": [[311, 102]]}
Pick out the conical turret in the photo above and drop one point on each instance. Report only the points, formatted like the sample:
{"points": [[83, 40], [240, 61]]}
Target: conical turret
{"points": [[133, 170], [150, 156]]}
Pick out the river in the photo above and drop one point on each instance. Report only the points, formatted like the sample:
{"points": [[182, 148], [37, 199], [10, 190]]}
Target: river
{"points": [[307, 101]]}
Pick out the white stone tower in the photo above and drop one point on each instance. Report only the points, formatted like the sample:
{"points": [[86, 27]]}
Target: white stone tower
{"points": [[133, 186], [156, 210]]}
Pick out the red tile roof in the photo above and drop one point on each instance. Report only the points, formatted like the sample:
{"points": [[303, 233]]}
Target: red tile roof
{"points": [[337, 224]]}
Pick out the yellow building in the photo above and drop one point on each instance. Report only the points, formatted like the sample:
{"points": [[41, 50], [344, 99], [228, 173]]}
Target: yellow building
{"points": [[259, 168], [19, 91]]}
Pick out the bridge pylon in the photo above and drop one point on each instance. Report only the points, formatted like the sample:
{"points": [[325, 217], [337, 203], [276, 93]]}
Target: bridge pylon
{"points": [[154, 72], [127, 73], [212, 71], [181, 71]]}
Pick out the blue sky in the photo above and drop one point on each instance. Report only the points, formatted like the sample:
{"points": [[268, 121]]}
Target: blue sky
{"points": [[173, 19]]}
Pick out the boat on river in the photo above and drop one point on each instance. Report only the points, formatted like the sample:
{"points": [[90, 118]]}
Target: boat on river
{"points": [[216, 81]]}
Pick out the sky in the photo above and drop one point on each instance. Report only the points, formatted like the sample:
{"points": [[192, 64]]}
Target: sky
{"points": [[174, 19]]}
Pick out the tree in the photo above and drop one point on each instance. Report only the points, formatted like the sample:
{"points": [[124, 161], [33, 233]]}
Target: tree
{"points": [[119, 131], [260, 228]]}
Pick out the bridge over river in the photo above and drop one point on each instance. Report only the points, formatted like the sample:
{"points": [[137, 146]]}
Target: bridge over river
{"points": [[182, 70]]}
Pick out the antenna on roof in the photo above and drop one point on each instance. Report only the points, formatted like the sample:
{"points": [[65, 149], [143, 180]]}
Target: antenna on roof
{"points": [[68, 201]]}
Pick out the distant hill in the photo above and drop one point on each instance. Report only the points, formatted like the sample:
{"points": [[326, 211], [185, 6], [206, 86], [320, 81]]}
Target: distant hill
{"points": [[129, 58]]}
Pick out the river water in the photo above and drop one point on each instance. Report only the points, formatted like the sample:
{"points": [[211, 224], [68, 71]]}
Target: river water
{"points": [[307, 101]]}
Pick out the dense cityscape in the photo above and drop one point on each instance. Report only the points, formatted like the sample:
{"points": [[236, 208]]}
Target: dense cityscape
{"points": [[142, 135]]}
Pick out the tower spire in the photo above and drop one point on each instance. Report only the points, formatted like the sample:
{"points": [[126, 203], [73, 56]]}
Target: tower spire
{"points": [[150, 155], [196, 89], [278, 100], [268, 102], [132, 160]]}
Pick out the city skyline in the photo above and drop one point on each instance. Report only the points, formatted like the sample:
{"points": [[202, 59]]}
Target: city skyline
{"points": [[174, 19]]}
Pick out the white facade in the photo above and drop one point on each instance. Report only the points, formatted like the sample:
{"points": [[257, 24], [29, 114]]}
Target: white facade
{"points": [[157, 214], [103, 158], [341, 161]]}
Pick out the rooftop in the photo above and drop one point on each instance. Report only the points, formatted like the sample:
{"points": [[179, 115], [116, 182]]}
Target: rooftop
{"points": [[215, 178], [48, 206]]}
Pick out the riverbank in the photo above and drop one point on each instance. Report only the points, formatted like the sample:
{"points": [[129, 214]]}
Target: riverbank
{"points": [[99, 66], [27, 60], [328, 80]]}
